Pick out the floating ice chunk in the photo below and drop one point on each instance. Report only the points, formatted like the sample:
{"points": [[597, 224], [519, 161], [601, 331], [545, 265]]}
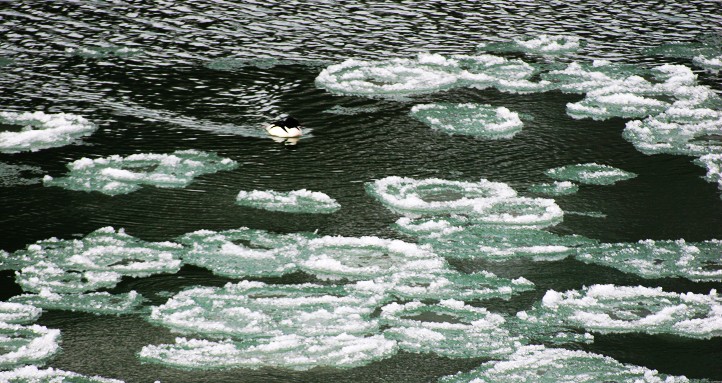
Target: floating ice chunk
{"points": [[121, 175], [96, 303], [365, 258], [445, 285], [50, 277], [660, 259], [396, 77], [257, 310], [706, 54], [17, 175], [21, 345], [435, 196], [556, 188], [493, 243], [520, 211], [296, 201], [103, 51], [542, 44], [625, 105], [620, 309], [590, 173], [42, 131], [678, 130], [584, 77], [449, 328], [709, 62], [31, 374], [243, 252], [540, 364], [469, 119], [484, 71], [293, 352], [713, 164], [18, 313]]}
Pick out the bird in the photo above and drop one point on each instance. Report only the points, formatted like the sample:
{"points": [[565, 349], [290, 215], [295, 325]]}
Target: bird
{"points": [[290, 127]]}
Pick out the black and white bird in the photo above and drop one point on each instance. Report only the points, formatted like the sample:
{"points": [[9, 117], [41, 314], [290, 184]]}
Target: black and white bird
{"points": [[290, 127]]}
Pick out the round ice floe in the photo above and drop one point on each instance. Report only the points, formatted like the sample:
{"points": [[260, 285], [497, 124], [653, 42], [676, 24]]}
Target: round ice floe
{"points": [[365, 258], [42, 131], [449, 328], [484, 71], [590, 173], [520, 211], [286, 351], [96, 303], [434, 196], [625, 105], [540, 364], [396, 77], [296, 201], [21, 345], [121, 175], [469, 119], [445, 285], [18, 313], [257, 310], [660, 259], [243, 252], [96, 261], [556, 188], [620, 309], [31, 374]]}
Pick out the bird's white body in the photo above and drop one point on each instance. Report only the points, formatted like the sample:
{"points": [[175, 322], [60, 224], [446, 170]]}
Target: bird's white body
{"points": [[280, 131]]}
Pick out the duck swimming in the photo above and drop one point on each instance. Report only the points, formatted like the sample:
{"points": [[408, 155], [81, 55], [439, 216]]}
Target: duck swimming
{"points": [[290, 127]]}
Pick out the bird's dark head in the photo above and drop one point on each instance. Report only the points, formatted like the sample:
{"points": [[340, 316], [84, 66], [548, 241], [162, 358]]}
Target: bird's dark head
{"points": [[291, 122]]}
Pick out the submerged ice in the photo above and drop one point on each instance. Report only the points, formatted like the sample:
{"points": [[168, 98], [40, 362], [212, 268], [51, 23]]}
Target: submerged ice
{"points": [[121, 175], [42, 130], [295, 201], [469, 119]]}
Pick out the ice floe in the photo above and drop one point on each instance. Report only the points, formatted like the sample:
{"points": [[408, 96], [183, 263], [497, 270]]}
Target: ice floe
{"points": [[621, 309], [706, 53], [296, 201], [556, 188], [103, 51], [449, 328], [18, 313], [20, 345], [257, 310], [32, 374], [286, 351], [121, 175], [469, 119], [713, 164], [96, 303], [590, 173], [541, 44], [541, 364], [697, 261], [42, 130], [99, 260]]}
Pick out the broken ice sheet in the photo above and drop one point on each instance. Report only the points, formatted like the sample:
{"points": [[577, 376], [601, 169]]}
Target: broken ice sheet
{"points": [[295, 201], [20, 345], [95, 303], [32, 374], [697, 261], [42, 130], [257, 310], [621, 309], [121, 175], [449, 328], [590, 173], [294, 352], [541, 364]]}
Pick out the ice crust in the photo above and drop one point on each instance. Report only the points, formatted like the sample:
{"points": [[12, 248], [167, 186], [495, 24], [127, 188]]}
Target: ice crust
{"points": [[449, 328], [296, 201], [42, 130], [540, 364], [96, 303], [697, 261], [32, 344], [99, 260], [469, 119], [625, 309], [32, 374], [590, 173], [121, 175]]}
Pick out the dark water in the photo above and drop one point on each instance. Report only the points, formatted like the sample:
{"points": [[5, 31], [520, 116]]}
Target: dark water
{"points": [[174, 94]]}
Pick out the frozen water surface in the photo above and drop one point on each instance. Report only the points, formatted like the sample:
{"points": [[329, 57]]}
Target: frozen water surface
{"points": [[698, 261], [96, 303], [469, 119], [623, 309], [540, 364], [449, 328], [32, 374], [42, 130], [295, 201], [590, 173], [121, 175], [20, 345]]}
